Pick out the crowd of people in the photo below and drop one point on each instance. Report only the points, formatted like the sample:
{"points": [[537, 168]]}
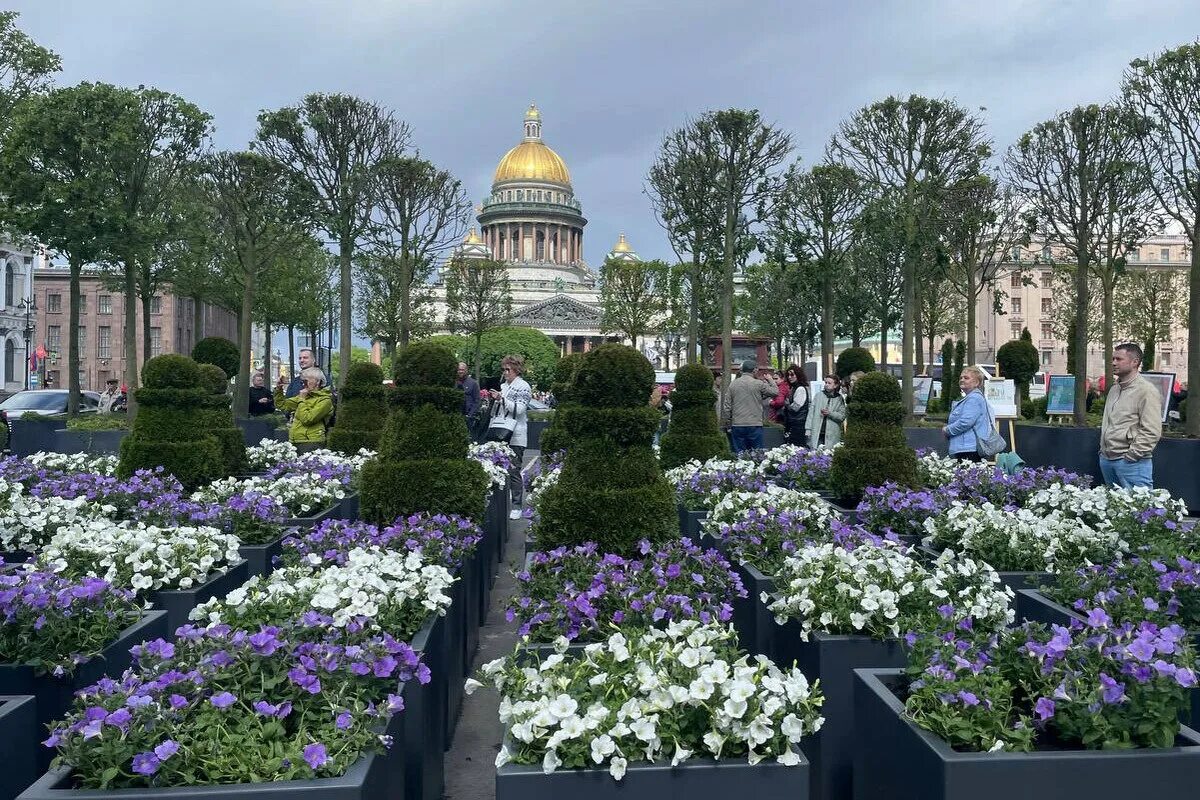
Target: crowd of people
{"points": [[810, 416]]}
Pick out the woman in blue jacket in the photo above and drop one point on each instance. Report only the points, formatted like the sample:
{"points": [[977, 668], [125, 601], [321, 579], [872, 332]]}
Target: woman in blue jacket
{"points": [[969, 420]]}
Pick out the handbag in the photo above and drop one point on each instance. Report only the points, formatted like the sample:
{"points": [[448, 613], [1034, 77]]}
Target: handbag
{"points": [[993, 444], [501, 426]]}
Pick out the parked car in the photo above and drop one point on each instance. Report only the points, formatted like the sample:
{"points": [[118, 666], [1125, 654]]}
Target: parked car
{"points": [[47, 403]]}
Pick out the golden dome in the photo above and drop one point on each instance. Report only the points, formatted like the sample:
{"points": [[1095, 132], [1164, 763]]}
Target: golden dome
{"points": [[622, 246], [533, 112], [472, 238], [532, 161]]}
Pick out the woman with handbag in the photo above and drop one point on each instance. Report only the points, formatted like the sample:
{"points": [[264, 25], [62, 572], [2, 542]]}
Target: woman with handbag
{"points": [[509, 422], [969, 427], [795, 406]]}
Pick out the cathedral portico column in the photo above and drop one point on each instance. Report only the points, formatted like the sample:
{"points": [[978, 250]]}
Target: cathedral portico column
{"points": [[570, 344]]}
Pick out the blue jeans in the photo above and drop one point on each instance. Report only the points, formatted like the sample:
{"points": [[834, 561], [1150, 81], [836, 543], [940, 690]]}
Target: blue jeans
{"points": [[747, 437], [1119, 472]]}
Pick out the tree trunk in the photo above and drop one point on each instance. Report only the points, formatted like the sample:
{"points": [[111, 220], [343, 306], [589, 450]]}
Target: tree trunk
{"points": [[918, 341], [972, 295], [73, 387], [478, 353], [1109, 286], [827, 324], [241, 388], [146, 298], [1193, 374], [291, 350], [390, 351], [694, 344], [1080, 344], [909, 280], [131, 334], [197, 318], [344, 256], [883, 345], [405, 301], [267, 355], [1148, 354], [727, 294]]}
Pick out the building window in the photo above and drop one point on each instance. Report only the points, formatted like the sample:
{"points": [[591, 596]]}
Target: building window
{"points": [[9, 286], [54, 303], [81, 342], [1047, 357], [1016, 254], [1046, 253], [520, 194], [1047, 331], [1016, 330], [105, 303], [54, 340], [1016, 305], [1047, 305], [155, 341], [104, 342], [1165, 254], [1134, 255], [1015, 280], [156, 304], [1164, 359], [82, 304], [10, 360], [1047, 279]]}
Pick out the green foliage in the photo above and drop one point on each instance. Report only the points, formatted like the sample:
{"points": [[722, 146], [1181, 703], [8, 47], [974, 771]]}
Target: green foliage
{"points": [[692, 377], [960, 356], [171, 371], [99, 422], [948, 376], [364, 373], [854, 359], [567, 366], [448, 399], [220, 351], [874, 450], [425, 364], [538, 349], [694, 434], [214, 379], [216, 417], [555, 438], [194, 462], [1019, 361], [392, 489], [613, 376], [362, 410]]}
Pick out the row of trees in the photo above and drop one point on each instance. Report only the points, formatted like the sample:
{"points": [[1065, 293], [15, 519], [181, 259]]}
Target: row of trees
{"points": [[911, 217]]}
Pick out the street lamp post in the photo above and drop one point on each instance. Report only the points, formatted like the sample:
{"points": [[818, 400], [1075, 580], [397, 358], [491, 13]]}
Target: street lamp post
{"points": [[28, 305]]}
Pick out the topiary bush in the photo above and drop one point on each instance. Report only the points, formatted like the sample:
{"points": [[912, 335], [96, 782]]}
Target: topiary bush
{"points": [[213, 378], [170, 429], [362, 410], [219, 351], [611, 489], [694, 433], [554, 438], [216, 416], [854, 359], [873, 450], [422, 463], [1019, 360]]}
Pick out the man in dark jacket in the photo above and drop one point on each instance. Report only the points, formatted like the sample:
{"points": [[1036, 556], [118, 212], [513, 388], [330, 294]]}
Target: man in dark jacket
{"points": [[261, 399], [470, 388], [307, 360]]}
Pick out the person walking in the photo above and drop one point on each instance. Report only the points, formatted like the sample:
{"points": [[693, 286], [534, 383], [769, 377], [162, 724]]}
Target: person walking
{"points": [[796, 404], [742, 407], [110, 395], [826, 414], [261, 399], [311, 407], [969, 419], [470, 388], [511, 404], [1132, 422]]}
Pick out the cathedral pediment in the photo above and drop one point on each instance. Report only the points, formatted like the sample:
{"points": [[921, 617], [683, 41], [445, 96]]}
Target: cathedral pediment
{"points": [[560, 311]]}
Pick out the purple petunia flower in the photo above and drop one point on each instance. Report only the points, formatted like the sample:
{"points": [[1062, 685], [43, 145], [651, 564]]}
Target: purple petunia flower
{"points": [[223, 700], [146, 763], [1044, 708], [315, 755]]}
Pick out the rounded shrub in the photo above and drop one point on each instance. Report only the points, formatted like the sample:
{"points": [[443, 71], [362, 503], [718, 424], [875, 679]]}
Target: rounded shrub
{"points": [[611, 490], [613, 376], [171, 371], [362, 410], [854, 359], [565, 369], [364, 373], [219, 351], [555, 438], [214, 378], [425, 364], [873, 450], [693, 433]]}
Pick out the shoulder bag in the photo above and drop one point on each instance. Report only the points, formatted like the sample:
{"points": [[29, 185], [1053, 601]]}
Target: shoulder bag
{"points": [[993, 444]]}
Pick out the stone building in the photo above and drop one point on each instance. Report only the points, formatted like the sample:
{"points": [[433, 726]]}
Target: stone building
{"points": [[17, 314]]}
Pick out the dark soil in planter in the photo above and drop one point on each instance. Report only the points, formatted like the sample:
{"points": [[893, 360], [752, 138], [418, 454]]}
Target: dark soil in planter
{"points": [[896, 759], [19, 735], [178, 603]]}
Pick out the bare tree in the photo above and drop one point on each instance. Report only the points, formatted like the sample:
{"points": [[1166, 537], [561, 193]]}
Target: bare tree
{"points": [[478, 299]]}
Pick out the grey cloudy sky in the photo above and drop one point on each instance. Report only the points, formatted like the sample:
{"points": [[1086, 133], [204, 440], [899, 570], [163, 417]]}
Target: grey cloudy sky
{"points": [[611, 76]]}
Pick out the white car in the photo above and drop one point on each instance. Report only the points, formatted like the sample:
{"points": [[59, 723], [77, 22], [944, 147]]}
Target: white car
{"points": [[47, 403]]}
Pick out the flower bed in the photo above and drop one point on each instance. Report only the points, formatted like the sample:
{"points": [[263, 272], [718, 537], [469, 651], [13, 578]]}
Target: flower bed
{"points": [[806, 507], [497, 459], [796, 468], [699, 487]]}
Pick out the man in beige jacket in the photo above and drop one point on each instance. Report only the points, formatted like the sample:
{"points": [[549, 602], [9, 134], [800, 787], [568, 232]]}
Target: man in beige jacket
{"points": [[1132, 423], [742, 408]]}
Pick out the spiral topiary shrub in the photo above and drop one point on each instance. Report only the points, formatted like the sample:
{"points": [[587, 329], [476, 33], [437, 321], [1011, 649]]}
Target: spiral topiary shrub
{"points": [[220, 352], [554, 437], [422, 462], [362, 410], [854, 359], [873, 450], [171, 429], [611, 490], [694, 433]]}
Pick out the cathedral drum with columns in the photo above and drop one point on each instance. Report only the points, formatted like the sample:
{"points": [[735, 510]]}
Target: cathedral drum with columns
{"points": [[532, 222]]}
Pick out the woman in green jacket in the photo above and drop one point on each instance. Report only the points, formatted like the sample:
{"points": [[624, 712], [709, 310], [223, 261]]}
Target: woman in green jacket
{"points": [[310, 408]]}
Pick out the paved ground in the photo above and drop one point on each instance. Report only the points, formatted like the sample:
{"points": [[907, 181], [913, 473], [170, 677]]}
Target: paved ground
{"points": [[471, 762]]}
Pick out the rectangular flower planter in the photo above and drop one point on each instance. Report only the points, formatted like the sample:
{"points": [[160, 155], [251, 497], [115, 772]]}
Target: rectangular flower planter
{"points": [[260, 558], [313, 519], [19, 743], [424, 718], [178, 603], [94, 442], [15, 556], [832, 659], [372, 777], [55, 695], [696, 779], [348, 507], [847, 511], [754, 623], [454, 657], [896, 759], [690, 523], [1015, 580]]}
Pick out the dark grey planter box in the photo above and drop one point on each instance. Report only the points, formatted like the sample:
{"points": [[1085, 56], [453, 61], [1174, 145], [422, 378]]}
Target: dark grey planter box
{"points": [[15, 556], [178, 603], [927, 439], [755, 625], [26, 437], [454, 657], [832, 659], [895, 759], [424, 717], [690, 523], [313, 519], [260, 558], [19, 735], [372, 777], [348, 507], [772, 436], [55, 695], [533, 433], [97, 442], [254, 430], [697, 779]]}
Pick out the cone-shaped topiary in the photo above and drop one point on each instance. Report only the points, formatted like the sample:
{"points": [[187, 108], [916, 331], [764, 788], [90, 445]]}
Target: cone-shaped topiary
{"points": [[422, 463], [362, 410], [611, 490], [554, 437], [170, 429], [216, 416], [694, 433], [874, 449]]}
